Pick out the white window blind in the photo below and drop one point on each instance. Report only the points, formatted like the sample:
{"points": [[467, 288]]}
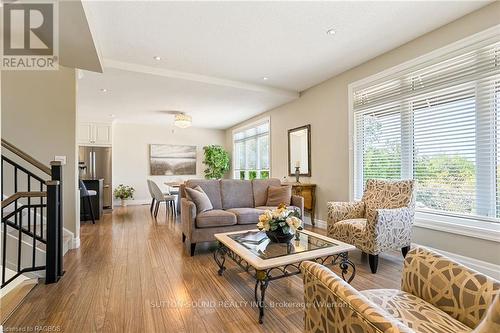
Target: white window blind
{"points": [[437, 123], [251, 151]]}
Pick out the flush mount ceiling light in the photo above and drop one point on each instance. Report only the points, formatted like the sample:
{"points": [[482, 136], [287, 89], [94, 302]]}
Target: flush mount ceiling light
{"points": [[265, 78], [157, 58], [331, 32], [104, 90], [182, 120]]}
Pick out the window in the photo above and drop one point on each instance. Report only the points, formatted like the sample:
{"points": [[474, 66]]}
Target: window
{"points": [[438, 123], [251, 151]]}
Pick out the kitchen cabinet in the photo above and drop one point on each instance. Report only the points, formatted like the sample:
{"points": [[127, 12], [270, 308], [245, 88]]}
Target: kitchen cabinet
{"points": [[95, 134]]}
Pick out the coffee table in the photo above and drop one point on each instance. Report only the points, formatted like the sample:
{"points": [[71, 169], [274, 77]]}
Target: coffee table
{"points": [[267, 261]]}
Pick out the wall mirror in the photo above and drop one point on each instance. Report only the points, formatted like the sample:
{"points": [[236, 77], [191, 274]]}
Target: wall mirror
{"points": [[299, 150]]}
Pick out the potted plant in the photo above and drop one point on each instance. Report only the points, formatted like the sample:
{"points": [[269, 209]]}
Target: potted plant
{"points": [[216, 160], [124, 192], [280, 224]]}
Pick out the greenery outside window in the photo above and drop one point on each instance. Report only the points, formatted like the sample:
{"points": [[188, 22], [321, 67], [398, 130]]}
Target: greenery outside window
{"points": [[251, 151]]}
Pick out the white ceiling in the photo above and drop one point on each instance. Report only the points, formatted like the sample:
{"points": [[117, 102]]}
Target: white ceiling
{"points": [[215, 54]]}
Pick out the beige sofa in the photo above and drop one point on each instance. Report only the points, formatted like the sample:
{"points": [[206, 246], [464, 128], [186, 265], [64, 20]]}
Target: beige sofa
{"points": [[237, 205], [437, 295]]}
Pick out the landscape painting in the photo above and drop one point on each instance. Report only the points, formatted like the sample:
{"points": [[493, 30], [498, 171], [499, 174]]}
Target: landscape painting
{"points": [[172, 160]]}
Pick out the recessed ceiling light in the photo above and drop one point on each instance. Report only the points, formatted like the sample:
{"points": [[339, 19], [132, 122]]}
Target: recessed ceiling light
{"points": [[157, 58], [104, 90], [330, 32], [265, 78]]}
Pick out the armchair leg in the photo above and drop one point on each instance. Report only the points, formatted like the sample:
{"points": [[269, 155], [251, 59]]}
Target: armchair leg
{"points": [[183, 237], [373, 260], [404, 250], [193, 246]]}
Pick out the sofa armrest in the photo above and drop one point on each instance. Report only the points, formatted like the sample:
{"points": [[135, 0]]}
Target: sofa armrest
{"points": [[298, 202], [459, 291], [339, 211], [332, 305], [188, 217]]}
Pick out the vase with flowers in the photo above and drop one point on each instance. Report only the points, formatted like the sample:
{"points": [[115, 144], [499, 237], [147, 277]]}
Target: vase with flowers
{"points": [[280, 224]]}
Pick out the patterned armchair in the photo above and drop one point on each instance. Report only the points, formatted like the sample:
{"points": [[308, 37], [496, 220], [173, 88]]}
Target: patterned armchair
{"points": [[437, 295], [381, 221]]}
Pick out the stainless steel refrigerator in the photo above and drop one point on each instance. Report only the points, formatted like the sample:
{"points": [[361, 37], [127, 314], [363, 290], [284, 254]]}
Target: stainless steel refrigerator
{"points": [[95, 163]]}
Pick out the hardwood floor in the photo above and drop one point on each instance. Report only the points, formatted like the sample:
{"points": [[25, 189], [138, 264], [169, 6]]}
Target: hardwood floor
{"points": [[132, 274]]}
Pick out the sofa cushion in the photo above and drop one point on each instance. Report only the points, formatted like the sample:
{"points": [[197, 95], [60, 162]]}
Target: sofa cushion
{"points": [[215, 218], [210, 187], [236, 193], [274, 207], [259, 187], [246, 215], [200, 199], [277, 195], [414, 312]]}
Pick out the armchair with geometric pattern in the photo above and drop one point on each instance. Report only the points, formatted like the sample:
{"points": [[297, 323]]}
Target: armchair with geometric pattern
{"points": [[437, 295], [381, 221]]}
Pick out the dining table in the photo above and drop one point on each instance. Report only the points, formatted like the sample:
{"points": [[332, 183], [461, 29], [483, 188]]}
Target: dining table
{"points": [[175, 185]]}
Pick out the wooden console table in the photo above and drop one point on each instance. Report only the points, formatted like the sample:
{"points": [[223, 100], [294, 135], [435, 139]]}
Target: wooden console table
{"points": [[308, 192]]}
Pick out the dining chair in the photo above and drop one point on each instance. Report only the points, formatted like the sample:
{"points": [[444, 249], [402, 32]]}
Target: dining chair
{"points": [[160, 197]]}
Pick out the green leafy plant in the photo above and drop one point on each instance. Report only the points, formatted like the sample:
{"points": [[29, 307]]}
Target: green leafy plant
{"points": [[252, 174], [242, 174], [216, 160], [264, 175], [124, 192]]}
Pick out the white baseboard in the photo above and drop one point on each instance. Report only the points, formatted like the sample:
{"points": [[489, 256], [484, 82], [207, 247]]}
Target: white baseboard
{"points": [[75, 243], [484, 267], [317, 223], [133, 202]]}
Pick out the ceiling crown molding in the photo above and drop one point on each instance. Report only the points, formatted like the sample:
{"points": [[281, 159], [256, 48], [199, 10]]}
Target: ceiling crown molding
{"points": [[109, 63]]}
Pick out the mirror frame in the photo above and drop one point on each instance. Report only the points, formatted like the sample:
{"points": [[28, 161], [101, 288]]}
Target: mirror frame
{"points": [[290, 171]]}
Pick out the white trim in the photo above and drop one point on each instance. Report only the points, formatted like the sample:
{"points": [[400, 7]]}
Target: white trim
{"points": [[254, 123], [135, 202], [75, 243], [317, 223], [445, 50], [109, 63], [484, 267], [460, 226]]}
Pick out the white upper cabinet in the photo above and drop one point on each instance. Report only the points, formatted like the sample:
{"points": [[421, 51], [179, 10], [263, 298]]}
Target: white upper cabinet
{"points": [[95, 134]]}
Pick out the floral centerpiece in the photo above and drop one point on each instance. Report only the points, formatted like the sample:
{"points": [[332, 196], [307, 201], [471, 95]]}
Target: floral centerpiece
{"points": [[280, 224]]}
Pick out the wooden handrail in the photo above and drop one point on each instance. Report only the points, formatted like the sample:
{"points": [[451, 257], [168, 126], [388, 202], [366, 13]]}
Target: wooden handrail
{"points": [[19, 195], [26, 157]]}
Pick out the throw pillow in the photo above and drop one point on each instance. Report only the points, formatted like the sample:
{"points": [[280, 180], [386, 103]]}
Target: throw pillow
{"points": [[200, 199], [278, 194]]}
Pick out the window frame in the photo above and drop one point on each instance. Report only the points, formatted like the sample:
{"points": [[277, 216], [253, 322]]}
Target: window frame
{"points": [[472, 226], [252, 124]]}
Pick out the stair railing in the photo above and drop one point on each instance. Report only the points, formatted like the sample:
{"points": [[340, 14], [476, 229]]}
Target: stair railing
{"points": [[33, 200]]}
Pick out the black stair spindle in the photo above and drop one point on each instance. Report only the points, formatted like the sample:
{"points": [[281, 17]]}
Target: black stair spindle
{"points": [[33, 255]]}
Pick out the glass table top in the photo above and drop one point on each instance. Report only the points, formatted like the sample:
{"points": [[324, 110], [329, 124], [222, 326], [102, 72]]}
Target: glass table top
{"points": [[261, 246]]}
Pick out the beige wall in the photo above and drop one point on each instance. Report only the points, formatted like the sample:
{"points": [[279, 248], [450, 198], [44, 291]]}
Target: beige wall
{"points": [[325, 107], [131, 152], [39, 117]]}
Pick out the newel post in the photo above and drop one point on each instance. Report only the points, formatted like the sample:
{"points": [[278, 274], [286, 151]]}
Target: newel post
{"points": [[56, 171], [51, 256]]}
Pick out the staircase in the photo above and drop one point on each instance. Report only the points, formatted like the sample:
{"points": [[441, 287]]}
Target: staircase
{"points": [[32, 234]]}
